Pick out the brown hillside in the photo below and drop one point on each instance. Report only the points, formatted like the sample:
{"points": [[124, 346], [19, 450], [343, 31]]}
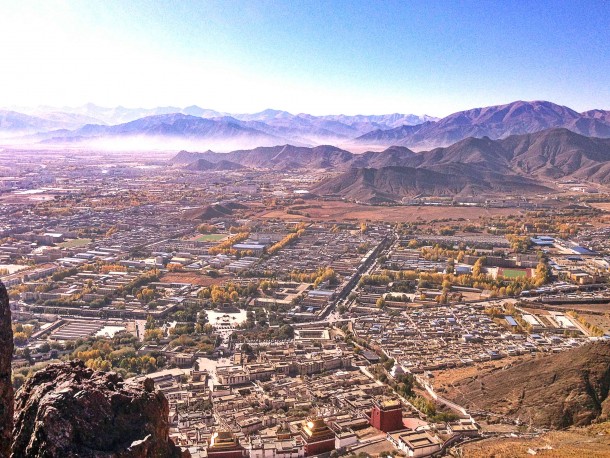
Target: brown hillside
{"points": [[555, 391]]}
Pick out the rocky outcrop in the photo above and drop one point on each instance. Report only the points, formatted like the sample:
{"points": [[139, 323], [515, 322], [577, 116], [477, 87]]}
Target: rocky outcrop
{"points": [[6, 386], [68, 410]]}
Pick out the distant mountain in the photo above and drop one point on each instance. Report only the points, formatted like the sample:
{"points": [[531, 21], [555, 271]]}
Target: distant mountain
{"points": [[186, 157], [14, 123], [394, 183], [379, 121], [289, 157], [495, 122], [170, 126], [301, 129], [560, 153], [285, 157], [275, 127], [601, 115], [519, 163], [548, 155], [392, 156], [202, 165], [121, 115]]}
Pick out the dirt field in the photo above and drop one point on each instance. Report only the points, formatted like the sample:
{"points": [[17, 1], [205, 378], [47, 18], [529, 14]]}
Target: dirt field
{"points": [[601, 321], [188, 277], [336, 211], [605, 206], [592, 442], [444, 379], [604, 308]]}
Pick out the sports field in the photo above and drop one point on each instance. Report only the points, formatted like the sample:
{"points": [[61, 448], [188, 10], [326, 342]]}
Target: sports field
{"points": [[75, 243], [513, 273], [209, 237]]}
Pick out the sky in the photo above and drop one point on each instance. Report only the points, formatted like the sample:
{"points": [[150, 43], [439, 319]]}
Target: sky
{"points": [[320, 57]]}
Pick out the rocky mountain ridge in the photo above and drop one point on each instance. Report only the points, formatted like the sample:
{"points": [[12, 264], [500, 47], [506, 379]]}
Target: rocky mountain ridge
{"points": [[276, 127], [496, 122], [529, 163]]}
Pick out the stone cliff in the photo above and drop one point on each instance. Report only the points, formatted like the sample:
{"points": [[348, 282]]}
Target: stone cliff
{"points": [[6, 387], [68, 410]]}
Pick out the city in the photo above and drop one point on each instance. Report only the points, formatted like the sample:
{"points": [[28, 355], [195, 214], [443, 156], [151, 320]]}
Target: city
{"points": [[279, 229], [257, 320]]}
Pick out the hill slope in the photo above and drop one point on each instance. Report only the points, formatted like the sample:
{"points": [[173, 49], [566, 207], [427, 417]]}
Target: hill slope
{"points": [[556, 390], [394, 183], [522, 163]]}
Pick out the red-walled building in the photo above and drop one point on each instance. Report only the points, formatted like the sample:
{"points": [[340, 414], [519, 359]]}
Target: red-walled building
{"points": [[386, 415], [318, 437], [225, 445]]}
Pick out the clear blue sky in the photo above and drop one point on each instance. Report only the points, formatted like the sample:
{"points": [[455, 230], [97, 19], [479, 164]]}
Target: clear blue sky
{"points": [[433, 57]]}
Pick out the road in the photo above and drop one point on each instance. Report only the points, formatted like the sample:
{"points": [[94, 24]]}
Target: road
{"points": [[365, 269]]}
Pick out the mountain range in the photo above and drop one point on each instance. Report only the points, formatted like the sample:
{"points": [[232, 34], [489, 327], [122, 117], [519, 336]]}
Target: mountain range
{"points": [[530, 163], [268, 127], [494, 122], [196, 127]]}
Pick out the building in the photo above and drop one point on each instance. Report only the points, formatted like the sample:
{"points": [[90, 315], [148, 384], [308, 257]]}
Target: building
{"points": [[225, 445], [415, 443], [276, 447], [386, 415], [318, 437]]}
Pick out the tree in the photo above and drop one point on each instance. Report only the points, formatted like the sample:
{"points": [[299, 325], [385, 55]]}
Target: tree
{"points": [[150, 322], [450, 266], [446, 285], [286, 332], [153, 334], [20, 338], [206, 228], [477, 269], [174, 267], [380, 302], [542, 274], [146, 295]]}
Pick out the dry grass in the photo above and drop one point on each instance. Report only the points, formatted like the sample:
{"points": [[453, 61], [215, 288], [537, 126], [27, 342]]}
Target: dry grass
{"points": [[445, 378], [605, 206], [193, 278], [592, 442], [347, 211]]}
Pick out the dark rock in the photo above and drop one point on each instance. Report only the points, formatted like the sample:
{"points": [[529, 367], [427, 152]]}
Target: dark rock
{"points": [[68, 410], [6, 386]]}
